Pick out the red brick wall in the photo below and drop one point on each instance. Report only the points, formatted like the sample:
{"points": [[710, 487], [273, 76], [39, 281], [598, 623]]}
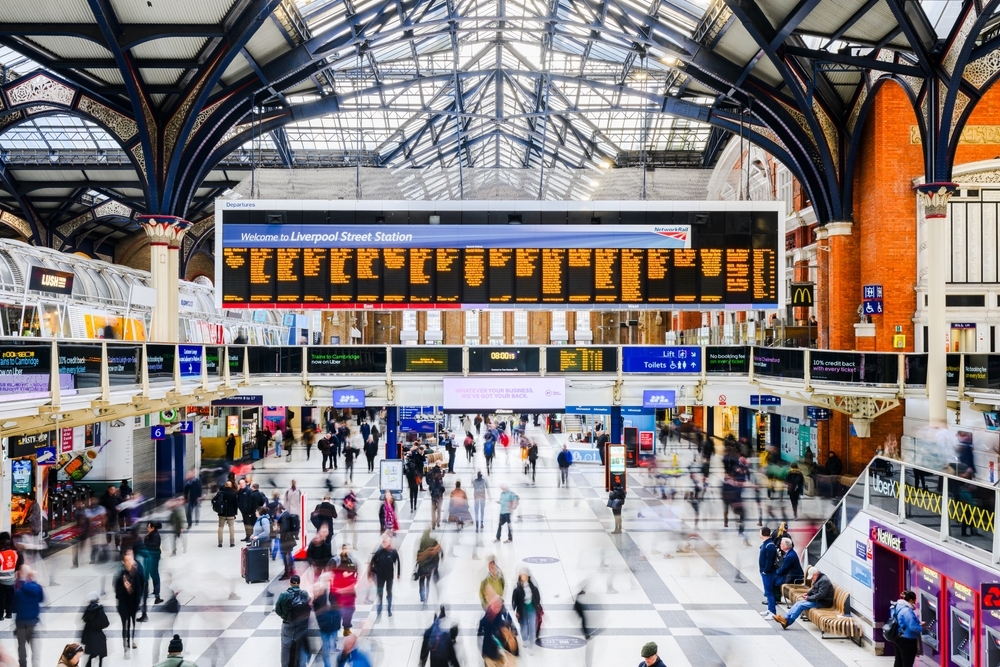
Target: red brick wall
{"points": [[843, 290], [985, 113]]}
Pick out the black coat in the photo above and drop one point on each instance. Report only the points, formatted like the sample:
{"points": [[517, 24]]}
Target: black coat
{"points": [[129, 601], [94, 622], [517, 598]]}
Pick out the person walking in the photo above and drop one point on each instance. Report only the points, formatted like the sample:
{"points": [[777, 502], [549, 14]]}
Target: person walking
{"points": [[795, 483], [350, 506], [225, 504], [412, 480], [293, 500], [153, 543], [564, 460], [819, 595], [11, 561], [324, 449], [616, 501], [95, 620], [344, 587], [435, 487], [909, 629], [650, 656], [479, 492], [277, 438], [293, 608], [371, 447], [439, 643], [428, 557], [387, 520], [351, 655], [28, 599], [70, 656], [129, 593], [380, 570], [533, 459], [508, 503], [499, 647], [767, 565], [489, 450], [318, 553], [350, 454], [327, 617], [527, 605], [452, 450], [458, 506], [323, 515], [175, 655], [493, 584], [288, 531], [192, 499]]}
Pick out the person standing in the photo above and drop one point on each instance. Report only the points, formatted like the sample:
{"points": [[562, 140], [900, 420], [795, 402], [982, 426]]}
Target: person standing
{"points": [[449, 446], [175, 655], [11, 561], [245, 505], [479, 492], [910, 629], [344, 587], [277, 437], [508, 503], [226, 506], [527, 608], [261, 535], [293, 500], [288, 530], [795, 482], [293, 608], [350, 454], [384, 560], [533, 459], [387, 519], [565, 460], [478, 421], [435, 487], [493, 584], [128, 593], [767, 565], [153, 543], [95, 620], [230, 448], [350, 505], [616, 501], [412, 480], [28, 601], [371, 447], [324, 449], [192, 499]]}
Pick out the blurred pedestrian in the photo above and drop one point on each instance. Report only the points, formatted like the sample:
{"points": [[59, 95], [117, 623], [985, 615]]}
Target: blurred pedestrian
{"points": [[293, 500], [28, 599], [387, 519], [508, 503], [616, 501], [350, 505], [175, 655], [493, 584], [479, 492], [439, 642], [499, 647], [95, 620], [428, 557], [527, 605], [327, 617], [293, 607], [564, 459], [11, 561], [344, 587], [129, 591], [380, 571], [795, 483], [351, 655]]}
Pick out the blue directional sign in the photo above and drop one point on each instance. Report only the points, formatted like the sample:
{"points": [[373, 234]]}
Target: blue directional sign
{"points": [[348, 398], [190, 358], [873, 307], [661, 359], [187, 427], [658, 398], [818, 414], [158, 432], [763, 399], [872, 292], [45, 456]]}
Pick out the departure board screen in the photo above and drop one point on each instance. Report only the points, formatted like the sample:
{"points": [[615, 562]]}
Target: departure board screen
{"points": [[427, 359], [677, 259], [581, 359]]}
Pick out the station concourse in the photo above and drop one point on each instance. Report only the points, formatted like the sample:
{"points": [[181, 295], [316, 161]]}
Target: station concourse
{"points": [[707, 290]]}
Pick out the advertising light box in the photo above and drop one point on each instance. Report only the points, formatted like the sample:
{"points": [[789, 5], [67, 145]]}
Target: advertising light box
{"points": [[517, 394]]}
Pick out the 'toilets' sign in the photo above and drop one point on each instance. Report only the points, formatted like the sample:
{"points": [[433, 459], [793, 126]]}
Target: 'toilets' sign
{"points": [[661, 359]]}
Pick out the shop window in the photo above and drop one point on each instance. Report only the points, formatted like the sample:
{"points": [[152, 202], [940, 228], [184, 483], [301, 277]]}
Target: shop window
{"points": [[472, 327], [583, 320], [409, 320], [965, 300], [521, 327], [922, 500], [971, 510], [496, 327]]}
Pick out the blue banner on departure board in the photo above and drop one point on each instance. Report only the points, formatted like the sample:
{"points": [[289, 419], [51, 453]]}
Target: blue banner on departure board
{"points": [[417, 419], [665, 359]]}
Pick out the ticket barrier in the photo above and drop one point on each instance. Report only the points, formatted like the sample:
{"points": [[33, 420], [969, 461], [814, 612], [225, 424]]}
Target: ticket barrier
{"points": [[928, 608], [992, 647], [961, 638]]}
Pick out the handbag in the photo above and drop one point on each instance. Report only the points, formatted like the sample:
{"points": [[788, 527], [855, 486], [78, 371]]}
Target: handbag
{"points": [[615, 503]]}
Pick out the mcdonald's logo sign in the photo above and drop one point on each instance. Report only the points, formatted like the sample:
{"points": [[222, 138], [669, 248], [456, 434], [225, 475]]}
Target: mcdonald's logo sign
{"points": [[802, 294]]}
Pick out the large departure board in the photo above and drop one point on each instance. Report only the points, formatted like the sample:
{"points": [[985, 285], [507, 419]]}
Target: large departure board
{"points": [[720, 259]]}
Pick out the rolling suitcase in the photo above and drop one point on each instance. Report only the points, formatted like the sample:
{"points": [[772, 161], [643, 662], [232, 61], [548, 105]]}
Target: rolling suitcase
{"points": [[254, 564]]}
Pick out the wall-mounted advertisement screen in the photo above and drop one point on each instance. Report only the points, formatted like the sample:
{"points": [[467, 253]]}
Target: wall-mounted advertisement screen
{"points": [[506, 254], [518, 394]]}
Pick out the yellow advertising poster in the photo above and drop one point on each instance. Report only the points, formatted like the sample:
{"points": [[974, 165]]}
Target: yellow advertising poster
{"points": [[124, 329]]}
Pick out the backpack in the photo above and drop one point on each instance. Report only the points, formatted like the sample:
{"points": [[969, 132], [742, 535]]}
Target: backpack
{"points": [[300, 606], [488, 448], [504, 438], [218, 503], [438, 643], [890, 629], [293, 523]]}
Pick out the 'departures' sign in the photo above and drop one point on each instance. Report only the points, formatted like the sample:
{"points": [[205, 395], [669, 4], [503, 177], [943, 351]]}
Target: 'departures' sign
{"points": [[519, 394]]}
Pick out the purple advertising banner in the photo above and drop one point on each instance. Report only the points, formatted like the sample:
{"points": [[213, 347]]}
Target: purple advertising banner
{"points": [[24, 387]]}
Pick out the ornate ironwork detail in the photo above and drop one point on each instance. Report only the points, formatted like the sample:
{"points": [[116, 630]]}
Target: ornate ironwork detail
{"points": [[40, 88], [989, 176], [202, 116], [914, 83], [172, 132], [75, 224], [10, 119], [979, 72], [112, 207], [852, 120], [830, 133], [147, 113], [203, 225], [961, 102], [19, 224], [140, 158], [800, 118], [105, 258], [955, 48], [40, 108], [120, 125]]}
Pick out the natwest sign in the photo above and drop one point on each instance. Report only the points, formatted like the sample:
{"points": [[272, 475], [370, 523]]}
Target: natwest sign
{"points": [[886, 538]]}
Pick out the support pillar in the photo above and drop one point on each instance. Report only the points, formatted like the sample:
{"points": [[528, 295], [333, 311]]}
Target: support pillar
{"points": [[165, 234], [843, 289], [933, 203]]}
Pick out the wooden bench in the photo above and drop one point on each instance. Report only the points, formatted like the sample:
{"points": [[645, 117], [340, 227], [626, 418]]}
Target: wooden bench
{"points": [[833, 622]]}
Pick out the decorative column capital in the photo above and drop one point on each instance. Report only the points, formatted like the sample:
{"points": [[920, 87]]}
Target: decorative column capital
{"points": [[934, 197], [165, 230], [822, 233], [842, 228]]}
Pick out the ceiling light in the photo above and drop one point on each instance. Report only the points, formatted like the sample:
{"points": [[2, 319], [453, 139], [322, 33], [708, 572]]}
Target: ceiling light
{"points": [[669, 60]]}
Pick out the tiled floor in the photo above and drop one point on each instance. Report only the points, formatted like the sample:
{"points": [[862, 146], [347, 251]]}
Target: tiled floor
{"points": [[639, 588]]}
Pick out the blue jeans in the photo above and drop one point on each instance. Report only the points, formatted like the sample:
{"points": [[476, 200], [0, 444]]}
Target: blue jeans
{"points": [[275, 548], [480, 507], [277, 448], [329, 644], [798, 608], [529, 627], [768, 580]]}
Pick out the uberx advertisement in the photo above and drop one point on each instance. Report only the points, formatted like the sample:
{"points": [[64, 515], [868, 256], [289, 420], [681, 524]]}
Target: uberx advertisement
{"points": [[518, 394]]}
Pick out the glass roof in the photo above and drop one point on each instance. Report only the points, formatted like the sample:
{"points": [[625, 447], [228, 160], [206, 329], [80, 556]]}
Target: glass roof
{"points": [[57, 132]]}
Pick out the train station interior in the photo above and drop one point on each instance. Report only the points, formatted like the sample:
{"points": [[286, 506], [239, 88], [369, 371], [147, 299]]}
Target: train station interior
{"points": [[592, 331]]}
